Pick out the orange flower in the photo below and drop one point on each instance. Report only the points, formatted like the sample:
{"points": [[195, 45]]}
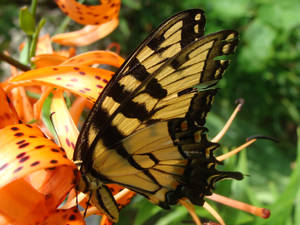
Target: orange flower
{"points": [[38, 171], [100, 20]]}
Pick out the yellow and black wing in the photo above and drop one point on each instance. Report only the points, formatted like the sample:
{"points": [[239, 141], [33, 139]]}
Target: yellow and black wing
{"points": [[145, 131]]}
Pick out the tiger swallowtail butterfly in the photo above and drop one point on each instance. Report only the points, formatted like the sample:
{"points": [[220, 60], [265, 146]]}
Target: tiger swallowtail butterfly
{"points": [[146, 130]]}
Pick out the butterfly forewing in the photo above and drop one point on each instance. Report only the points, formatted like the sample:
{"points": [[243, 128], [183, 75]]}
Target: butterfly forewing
{"points": [[175, 33]]}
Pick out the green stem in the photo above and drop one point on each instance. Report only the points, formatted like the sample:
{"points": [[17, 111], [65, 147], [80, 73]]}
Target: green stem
{"points": [[33, 7], [13, 62]]}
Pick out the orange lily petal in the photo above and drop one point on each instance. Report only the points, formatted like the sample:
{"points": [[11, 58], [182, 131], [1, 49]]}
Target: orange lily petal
{"points": [[37, 107], [95, 57], [95, 15], [48, 60], [105, 221], [87, 35], [67, 131], [8, 114], [77, 108], [65, 216], [22, 104], [84, 81], [14, 200], [44, 45], [35, 174], [25, 150]]}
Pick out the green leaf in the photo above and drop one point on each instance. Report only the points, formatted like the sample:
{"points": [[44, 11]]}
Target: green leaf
{"points": [[282, 209], [132, 4], [27, 21], [46, 115]]}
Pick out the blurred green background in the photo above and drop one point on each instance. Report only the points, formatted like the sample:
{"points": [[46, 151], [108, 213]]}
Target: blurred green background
{"points": [[265, 72]]}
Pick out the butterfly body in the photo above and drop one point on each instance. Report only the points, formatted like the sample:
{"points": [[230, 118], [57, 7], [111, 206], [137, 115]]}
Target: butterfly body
{"points": [[145, 132]]}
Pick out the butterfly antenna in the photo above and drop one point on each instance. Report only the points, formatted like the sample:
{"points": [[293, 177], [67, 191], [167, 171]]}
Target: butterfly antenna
{"points": [[262, 137], [87, 205], [240, 103], [250, 140], [54, 130]]}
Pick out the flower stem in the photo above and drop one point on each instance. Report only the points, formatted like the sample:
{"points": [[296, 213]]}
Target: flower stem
{"points": [[12, 61]]}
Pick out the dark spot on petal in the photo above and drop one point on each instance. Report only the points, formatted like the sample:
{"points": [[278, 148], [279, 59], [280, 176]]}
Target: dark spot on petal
{"points": [[54, 150], [55, 68], [27, 125], [19, 134], [68, 142], [99, 86], [51, 168], [32, 136], [87, 89], [105, 17], [3, 166], [20, 142], [75, 68], [21, 155], [82, 91], [72, 217], [14, 128], [73, 145], [18, 169], [23, 145], [105, 81], [82, 73], [98, 78], [35, 163], [39, 146], [53, 161], [7, 99], [24, 159]]}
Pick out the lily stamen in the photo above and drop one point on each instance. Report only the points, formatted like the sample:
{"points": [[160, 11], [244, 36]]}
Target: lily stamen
{"points": [[235, 151], [261, 212], [191, 209], [219, 136], [214, 213]]}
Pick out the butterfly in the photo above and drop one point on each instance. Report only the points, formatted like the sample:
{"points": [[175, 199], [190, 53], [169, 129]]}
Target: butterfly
{"points": [[146, 130]]}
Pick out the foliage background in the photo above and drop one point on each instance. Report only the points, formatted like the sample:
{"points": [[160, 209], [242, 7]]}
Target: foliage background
{"points": [[265, 72]]}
